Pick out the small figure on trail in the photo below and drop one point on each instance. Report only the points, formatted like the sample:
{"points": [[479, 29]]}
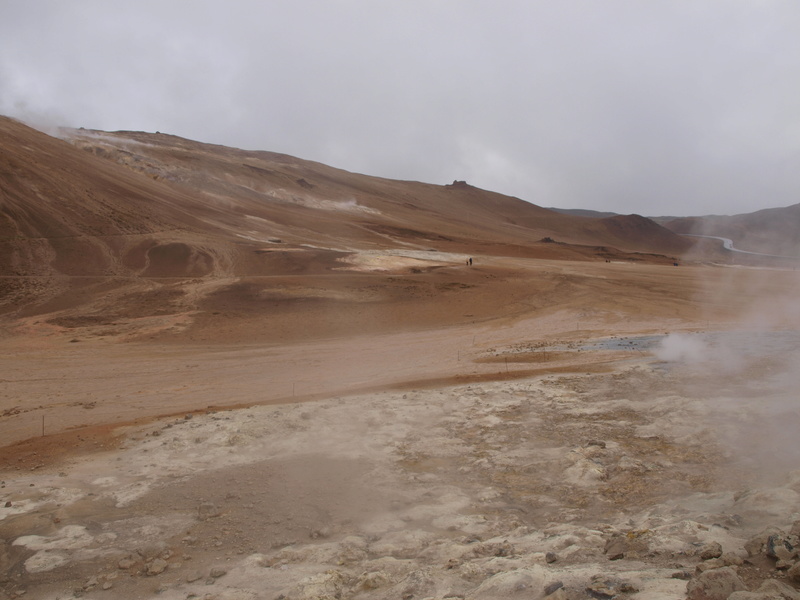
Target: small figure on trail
{"points": [[470, 261]]}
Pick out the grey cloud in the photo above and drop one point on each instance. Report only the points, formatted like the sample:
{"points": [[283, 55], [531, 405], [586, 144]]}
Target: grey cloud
{"points": [[657, 107]]}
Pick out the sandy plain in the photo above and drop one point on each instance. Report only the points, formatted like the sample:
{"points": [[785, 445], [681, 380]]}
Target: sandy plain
{"points": [[395, 434]]}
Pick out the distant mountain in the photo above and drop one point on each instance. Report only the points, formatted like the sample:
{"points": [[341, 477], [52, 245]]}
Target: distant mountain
{"points": [[583, 212], [770, 231]]}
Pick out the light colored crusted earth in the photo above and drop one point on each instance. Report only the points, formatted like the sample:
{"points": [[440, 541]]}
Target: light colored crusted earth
{"points": [[569, 484]]}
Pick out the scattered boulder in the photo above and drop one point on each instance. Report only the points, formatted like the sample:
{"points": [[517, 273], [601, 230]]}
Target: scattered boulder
{"points": [[685, 575], [758, 543], [715, 584], [622, 545], [157, 566], [731, 560], [603, 587], [726, 560], [553, 587], [194, 576], [779, 547], [712, 550], [559, 594], [794, 572], [708, 565], [769, 590]]}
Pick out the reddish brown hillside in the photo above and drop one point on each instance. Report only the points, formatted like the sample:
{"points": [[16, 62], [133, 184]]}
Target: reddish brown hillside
{"points": [[309, 203], [64, 212], [98, 211]]}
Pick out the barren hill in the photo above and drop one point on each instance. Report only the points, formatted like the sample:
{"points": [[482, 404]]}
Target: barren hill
{"points": [[88, 216], [241, 198]]}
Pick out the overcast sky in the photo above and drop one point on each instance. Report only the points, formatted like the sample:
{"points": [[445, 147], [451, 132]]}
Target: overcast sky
{"points": [[634, 106]]}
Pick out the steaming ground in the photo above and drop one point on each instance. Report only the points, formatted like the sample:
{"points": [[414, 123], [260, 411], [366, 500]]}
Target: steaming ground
{"points": [[522, 430], [580, 485]]}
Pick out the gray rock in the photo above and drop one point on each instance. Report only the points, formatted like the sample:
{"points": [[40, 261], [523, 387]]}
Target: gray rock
{"points": [[551, 557], [218, 572], [553, 587], [716, 584]]}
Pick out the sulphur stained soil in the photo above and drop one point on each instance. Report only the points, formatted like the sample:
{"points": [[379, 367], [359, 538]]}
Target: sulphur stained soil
{"points": [[564, 485]]}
